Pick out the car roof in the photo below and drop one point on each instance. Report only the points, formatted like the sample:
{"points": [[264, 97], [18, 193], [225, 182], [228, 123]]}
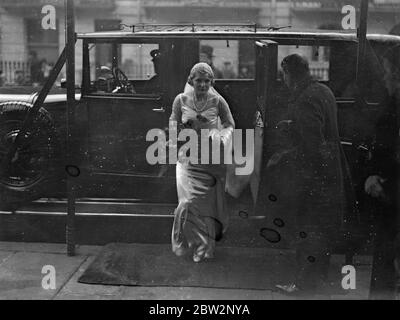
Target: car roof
{"points": [[230, 31]]}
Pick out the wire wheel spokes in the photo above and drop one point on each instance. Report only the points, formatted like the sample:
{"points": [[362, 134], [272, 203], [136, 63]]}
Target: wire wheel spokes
{"points": [[31, 160]]}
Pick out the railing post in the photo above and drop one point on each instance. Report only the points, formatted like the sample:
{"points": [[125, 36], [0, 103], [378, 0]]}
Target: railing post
{"points": [[362, 41], [70, 51]]}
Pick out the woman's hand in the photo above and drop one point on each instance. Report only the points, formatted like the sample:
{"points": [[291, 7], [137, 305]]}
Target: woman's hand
{"points": [[277, 156], [214, 134], [284, 125], [373, 186]]}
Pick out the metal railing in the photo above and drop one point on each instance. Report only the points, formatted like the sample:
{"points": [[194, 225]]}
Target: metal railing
{"points": [[15, 72], [202, 3], [107, 4], [18, 72]]}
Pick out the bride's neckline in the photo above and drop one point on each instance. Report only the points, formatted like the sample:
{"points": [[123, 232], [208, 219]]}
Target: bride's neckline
{"points": [[195, 103]]}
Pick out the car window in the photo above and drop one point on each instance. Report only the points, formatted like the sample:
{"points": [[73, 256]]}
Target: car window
{"points": [[137, 60], [386, 61], [137, 65], [230, 59], [344, 69], [317, 56]]}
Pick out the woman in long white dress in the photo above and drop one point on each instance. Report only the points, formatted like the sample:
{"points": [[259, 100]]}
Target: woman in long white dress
{"points": [[201, 215]]}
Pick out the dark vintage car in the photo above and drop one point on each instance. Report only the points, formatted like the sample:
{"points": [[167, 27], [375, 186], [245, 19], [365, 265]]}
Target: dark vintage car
{"points": [[128, 80]]}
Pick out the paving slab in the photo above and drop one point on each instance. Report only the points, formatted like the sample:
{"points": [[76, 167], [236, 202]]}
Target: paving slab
{"points": [[363, 274], [192, 293], [280, 296], [88, 250], [362, 266], [90, 297], [73, 290], [21, 274], [362, 260], [21, 265], [363, 278], [48, 248], [33, 247], [4, 255]]}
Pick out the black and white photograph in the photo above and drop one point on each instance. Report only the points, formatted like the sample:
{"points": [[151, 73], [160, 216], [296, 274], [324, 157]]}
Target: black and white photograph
{"points": [[199, 156]]}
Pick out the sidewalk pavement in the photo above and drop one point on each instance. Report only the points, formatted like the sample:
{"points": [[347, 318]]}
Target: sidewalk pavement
{"points": [[21, 279]]}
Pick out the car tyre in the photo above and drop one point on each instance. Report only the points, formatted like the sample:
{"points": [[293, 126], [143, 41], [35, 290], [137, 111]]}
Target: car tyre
{"points": [[33, 169]]}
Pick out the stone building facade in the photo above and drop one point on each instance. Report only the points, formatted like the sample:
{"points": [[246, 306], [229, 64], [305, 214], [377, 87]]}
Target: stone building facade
{"points": [[21, 32]]}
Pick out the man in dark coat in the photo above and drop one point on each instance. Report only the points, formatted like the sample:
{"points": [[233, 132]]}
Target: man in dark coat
{"points": [[382, 185], [35, 65], [154, 84], [320, 177]]}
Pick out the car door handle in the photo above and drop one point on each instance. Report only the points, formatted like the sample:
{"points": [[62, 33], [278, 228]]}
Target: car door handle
{"points": [[161, 110]]}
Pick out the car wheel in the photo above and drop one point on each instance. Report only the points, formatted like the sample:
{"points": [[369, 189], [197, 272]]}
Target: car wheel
{"points": [[33, 168]]}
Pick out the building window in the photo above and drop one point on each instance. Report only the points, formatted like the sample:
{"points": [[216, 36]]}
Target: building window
{"points": [[42, 48], [230, 59], [44, 42]]}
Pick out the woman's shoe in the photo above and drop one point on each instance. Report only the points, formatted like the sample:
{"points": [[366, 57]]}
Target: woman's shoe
{"points": [[199, 254], [197, 258], [180, 252]]}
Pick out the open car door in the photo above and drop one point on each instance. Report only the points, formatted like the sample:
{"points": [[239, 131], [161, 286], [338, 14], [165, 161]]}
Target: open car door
{"points": [[120, 121], [266, 74], [273, 220]]}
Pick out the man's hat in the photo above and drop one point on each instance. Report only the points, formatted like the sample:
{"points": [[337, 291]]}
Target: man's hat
{"points": [[206, 49], [155, 53]]}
